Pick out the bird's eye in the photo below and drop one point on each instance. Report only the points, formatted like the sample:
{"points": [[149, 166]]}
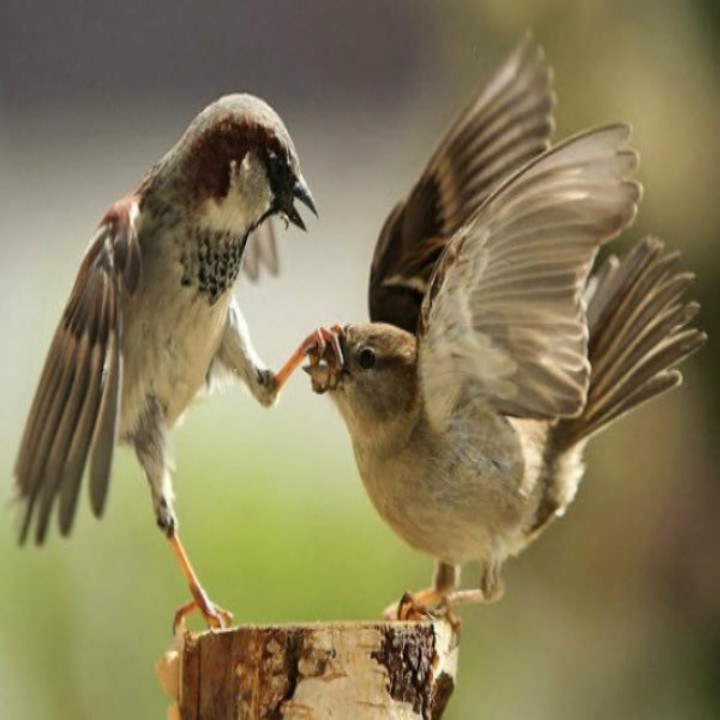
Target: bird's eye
{"points": [[366, 358], [275, 163]]}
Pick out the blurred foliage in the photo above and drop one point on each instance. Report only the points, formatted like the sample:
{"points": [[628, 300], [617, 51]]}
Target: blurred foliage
{"points": [[614, 613]]}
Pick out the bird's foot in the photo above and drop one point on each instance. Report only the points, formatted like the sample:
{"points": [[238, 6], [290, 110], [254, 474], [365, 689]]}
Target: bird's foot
{"points": [[413, 606], [323, 344], [428, 604], [410, 610], [326, 360], [445, 611], [216, 617]]}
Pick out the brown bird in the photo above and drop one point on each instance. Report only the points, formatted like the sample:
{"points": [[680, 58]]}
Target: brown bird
{"points": [[151, 318], [507, 122], [491, 359]]}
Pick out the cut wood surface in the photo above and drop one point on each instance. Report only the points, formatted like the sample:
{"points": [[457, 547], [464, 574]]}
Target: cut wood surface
{"points": [[357, 671]]}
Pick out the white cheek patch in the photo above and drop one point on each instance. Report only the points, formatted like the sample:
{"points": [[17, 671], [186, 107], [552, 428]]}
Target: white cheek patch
{"points": [[248, 199], [251, 183]]}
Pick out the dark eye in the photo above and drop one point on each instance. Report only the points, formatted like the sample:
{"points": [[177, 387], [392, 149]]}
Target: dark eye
{"points": [[275, 166], [274, 163], [366, 358]]}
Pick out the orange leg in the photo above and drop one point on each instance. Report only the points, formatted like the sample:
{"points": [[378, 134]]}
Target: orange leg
{"points": [[314, 345], [413, 606], [425, 605], [215, 617]]}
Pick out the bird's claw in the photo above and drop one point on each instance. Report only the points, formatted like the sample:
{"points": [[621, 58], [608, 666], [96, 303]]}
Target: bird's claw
{"points": [[325, 357], [411, 608], [408, 609], [445, 612], [315, 347], [217, 618], [318, 343]]}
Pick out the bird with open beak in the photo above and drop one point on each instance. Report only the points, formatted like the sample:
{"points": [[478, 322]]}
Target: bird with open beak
{"points": [[491, 358], [151, 318]]}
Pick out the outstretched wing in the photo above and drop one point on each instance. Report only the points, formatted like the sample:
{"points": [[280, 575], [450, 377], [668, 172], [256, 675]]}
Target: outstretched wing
{"points": [[74, 416], [506, 124], [261, 251], [639, 322], [505, 308]]}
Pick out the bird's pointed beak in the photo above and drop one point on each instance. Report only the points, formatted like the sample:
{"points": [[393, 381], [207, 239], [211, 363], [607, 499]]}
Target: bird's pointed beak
{"points": [[301, 192]]}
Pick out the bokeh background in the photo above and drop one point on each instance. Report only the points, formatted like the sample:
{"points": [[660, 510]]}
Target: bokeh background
{"points": [[616, 611]]}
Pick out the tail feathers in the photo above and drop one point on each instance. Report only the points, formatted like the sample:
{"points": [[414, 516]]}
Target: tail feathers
{"points": [[638, 323]]}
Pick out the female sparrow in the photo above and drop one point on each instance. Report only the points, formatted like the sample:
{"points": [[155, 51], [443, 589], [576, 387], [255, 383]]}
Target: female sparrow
{"points": [[491, 358]]}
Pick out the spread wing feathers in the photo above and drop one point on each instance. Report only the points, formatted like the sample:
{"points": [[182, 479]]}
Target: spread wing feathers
{"points": [[639, 332], [261, 251], [505, 308], [506, 124], [74, 416]]}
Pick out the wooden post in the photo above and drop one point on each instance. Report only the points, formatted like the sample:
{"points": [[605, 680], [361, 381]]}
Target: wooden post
{"points": [[359, 671]]}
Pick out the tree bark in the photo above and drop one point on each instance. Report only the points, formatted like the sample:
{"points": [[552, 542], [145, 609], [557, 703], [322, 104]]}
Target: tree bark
{"points": [[357, 671]]}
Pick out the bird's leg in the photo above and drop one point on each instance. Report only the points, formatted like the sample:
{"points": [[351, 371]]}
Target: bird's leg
{"points": [[465, 597], [150, 444], [415, 605], [315, 346], [216, 617], [236, 353], [491, 589]]}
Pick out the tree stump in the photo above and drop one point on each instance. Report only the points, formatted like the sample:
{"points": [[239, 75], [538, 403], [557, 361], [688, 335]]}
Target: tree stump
{"points": [[359, 671]]}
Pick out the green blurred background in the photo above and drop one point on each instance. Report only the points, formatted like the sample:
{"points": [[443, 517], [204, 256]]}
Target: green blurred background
{"points": [[616, 611]]}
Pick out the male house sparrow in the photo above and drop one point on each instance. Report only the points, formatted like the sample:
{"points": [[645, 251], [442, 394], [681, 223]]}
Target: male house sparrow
{"points": [[151, 317], [491, 360]]}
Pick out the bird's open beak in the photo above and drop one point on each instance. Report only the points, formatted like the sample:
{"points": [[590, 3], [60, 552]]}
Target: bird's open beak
{"points": [[301, 192]]}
